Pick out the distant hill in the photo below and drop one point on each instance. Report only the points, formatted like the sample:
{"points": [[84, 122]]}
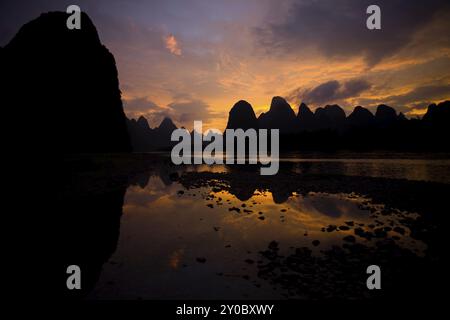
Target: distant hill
{"points": [[326, 128], [330, 128], [242, 116], [280, 116], [437, 116], [306, 118], [385, 115], [144, 138], [63, 85], [330, 117]]}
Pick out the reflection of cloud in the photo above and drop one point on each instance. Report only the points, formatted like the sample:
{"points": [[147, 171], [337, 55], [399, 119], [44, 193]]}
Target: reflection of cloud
{"points": [[172, 45], [155, 191], [175, 258], [321, 206]]}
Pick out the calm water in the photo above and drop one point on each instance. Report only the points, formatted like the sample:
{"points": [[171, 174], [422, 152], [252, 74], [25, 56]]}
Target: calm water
{"points": [[202, 242], [436, 168]]}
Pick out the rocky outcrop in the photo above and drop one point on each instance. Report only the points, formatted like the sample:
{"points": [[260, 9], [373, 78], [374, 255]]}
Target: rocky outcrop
{"points": [[66, 83]]}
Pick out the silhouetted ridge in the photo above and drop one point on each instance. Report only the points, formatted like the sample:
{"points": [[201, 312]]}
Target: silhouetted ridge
{"points": [[306, 118], [166, 127], [280, 116], [144, 138], [305, 112], [385, 115], [143, 123], [401, 117], [329, 128], [431, 113], [330, 117], [242, 116], [438, 115], [66, 82], [360, 117]]}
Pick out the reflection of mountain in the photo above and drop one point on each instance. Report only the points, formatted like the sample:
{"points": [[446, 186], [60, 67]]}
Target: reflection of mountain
{"points": [[92, 207], [243, 182], [94, 200], [93, 233], [65, 82]]}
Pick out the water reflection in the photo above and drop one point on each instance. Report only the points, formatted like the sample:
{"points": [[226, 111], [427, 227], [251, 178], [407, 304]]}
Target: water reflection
{"points": [[228, 232], [437, 170], [201, 238]]}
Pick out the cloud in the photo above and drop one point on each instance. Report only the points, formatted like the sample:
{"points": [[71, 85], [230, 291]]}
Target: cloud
{"points": [[184, 110], [330, 91], [414, 102], [172, 45], [188, 111], [142, 106], [422, 93], [337, 28], [311, 45], [322, 93]]}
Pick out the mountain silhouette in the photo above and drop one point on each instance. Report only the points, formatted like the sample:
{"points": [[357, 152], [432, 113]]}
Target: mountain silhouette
{"points": [[63, 85], [436, 122], [401, 117], [280, 116], [163, 133], [360, 117], [329, 127], [330, 117], [66, 83], [140, 134], [326, 128], [165, 129], [144, 138], [143, 123], [385, 115], [438, 115], [242, 116], [306, 118]]}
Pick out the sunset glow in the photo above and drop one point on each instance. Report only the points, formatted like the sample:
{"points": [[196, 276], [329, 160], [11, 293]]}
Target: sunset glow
{"points": [[192, 60]]}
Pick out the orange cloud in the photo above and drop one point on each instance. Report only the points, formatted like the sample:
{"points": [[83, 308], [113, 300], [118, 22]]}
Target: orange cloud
{"points": [[172, 45]]}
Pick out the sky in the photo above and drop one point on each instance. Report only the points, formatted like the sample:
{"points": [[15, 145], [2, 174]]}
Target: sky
{"points": [[193, 59]]}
